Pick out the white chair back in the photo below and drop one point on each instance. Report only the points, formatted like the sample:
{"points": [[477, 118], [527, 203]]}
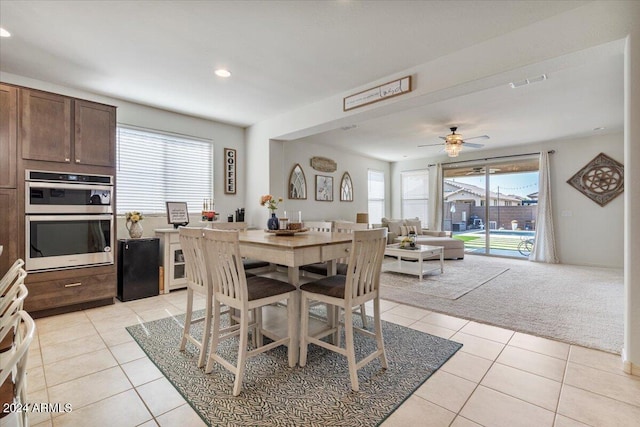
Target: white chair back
{"points": [[348, 227], [229, 226], [365, 263], [14, 297], [195, 271], [10, 276], [323, 226], [222, 249]]}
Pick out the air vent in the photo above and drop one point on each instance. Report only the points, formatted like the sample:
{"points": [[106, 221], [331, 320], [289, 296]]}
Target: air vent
{"points": [[529, 81]]}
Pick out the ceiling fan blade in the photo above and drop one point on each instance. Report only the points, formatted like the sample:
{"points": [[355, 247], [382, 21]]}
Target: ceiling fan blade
{"points": [[476, 137], [430, 145], [444, 138], [473, 145]]}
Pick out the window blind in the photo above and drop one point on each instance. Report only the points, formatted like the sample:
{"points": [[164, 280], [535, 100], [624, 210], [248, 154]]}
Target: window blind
{"points": [[376, 196], [155, 167], [415, 194]]}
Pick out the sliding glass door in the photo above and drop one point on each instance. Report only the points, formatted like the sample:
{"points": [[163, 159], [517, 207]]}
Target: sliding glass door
{"points": [[491, 206]]}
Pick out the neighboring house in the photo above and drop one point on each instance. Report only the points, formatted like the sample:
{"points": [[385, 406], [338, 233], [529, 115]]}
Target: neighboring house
{"points": [[467, 193]]}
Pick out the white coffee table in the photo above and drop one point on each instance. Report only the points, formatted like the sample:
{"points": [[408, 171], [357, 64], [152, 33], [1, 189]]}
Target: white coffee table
{"points": [[419, 254]]}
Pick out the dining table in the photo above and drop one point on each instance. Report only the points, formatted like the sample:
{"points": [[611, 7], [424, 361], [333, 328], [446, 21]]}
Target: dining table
{"points": [[294, 251]]}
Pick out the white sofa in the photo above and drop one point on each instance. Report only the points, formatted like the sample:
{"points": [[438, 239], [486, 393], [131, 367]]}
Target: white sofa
{"points": [[399, 228]]}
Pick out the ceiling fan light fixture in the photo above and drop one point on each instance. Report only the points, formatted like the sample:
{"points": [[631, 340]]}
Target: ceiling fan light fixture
{"points": [[453, 149]]}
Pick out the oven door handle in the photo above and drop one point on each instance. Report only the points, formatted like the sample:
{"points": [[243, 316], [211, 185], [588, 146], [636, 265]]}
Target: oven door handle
{"points": [[65, 185]]}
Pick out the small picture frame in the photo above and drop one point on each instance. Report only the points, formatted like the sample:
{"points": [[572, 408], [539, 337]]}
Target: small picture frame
{"points": [[177, 214], [324, 188]]}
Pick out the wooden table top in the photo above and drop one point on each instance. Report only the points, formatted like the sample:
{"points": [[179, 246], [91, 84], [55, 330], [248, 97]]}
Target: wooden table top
{"points": [[298, 240]]}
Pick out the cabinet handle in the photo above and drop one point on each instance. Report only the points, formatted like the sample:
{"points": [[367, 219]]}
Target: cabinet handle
{"points": [[73, 285], [77, 160], [66, 159]]}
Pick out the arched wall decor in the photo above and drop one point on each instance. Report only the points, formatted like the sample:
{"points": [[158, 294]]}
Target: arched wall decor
{"points": [[297, 183], [346, 188]]}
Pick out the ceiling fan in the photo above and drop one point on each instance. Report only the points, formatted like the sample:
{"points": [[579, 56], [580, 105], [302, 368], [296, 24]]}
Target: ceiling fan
{"points": [[454, 141]]}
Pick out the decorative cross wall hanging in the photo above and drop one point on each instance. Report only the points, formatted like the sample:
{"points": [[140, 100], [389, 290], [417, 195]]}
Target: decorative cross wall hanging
{"points": [[601, 180]]}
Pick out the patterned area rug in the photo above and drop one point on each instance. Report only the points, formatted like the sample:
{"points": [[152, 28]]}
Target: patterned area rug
{"points": [[317, 395], [459, 278]]}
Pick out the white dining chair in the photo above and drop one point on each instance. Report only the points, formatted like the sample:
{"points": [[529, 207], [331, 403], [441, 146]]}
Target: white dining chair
{"points": [[237, 291], [321, 268], [197, 283], [13, 365], [252, 266], [361, 284]]}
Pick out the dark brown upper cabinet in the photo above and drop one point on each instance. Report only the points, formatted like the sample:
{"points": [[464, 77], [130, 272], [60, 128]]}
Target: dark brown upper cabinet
{"points": [[57, 128], [8, 135], [95, 135], [45, 129]]}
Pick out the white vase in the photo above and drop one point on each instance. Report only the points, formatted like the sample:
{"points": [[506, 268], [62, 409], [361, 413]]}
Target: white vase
{"points": [[135, 229]]}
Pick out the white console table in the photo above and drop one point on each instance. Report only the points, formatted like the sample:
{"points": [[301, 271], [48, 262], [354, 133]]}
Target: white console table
{"points": [[171, 259]]}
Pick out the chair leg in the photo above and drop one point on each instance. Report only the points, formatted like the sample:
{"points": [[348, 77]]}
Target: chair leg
{"points": [[187, 319], [292, 310], [257, 332], [242, 352], [215, 338], [378, 329], [206, 333], [350, 347], [304, 327], [363, 316]]}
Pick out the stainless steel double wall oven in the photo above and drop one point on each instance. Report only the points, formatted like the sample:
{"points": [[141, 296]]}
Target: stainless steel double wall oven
{"points": [[69, 220]]}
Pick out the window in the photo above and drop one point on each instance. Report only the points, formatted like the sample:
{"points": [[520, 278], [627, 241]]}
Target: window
{"points": [[415, 194], [155, 167], [376, 196]]}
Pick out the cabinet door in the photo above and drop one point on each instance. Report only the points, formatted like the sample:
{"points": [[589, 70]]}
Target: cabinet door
{"points": [[8, 229], [95, 134], [45, 129], [8, 135]]}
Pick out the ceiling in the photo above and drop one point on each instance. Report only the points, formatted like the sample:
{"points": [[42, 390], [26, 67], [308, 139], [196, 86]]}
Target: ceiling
{"points": [[284, 55]]}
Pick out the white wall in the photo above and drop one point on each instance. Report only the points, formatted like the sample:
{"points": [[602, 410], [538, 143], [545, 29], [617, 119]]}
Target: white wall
{"points": [[591, 235], [287, 154], [223, 136]]}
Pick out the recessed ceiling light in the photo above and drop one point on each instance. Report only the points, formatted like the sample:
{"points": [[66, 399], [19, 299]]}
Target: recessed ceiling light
{"points": [[221, 72], [599, 128], [4, 33]]}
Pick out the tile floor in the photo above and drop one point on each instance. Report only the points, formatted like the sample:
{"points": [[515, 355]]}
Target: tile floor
{"points": [[499, 377]]}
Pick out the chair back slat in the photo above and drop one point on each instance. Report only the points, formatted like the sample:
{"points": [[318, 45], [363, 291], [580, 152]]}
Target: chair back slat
{"points": [[365, 262], [190, 242], [222, 249], [323, 226]]}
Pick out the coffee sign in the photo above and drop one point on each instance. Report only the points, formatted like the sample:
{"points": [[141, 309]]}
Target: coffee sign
{"points": [[230, 160]]}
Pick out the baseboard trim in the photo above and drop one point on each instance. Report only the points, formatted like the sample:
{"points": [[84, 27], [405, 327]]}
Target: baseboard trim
{"points": [[629, 367]]}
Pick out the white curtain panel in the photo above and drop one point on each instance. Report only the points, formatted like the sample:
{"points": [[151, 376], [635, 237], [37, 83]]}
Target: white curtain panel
{"points": [[544, 248], [435, 198]]}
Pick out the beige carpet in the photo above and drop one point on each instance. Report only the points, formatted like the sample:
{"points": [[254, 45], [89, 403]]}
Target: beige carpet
{"points": [[573, 304], [458, 279]]}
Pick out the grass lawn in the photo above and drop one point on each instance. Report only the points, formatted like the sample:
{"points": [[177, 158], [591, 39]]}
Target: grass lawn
{"points": [[466, 238]]}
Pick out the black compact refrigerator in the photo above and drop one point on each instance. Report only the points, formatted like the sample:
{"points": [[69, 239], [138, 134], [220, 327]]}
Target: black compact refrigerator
{"points": [[138, 269]]}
